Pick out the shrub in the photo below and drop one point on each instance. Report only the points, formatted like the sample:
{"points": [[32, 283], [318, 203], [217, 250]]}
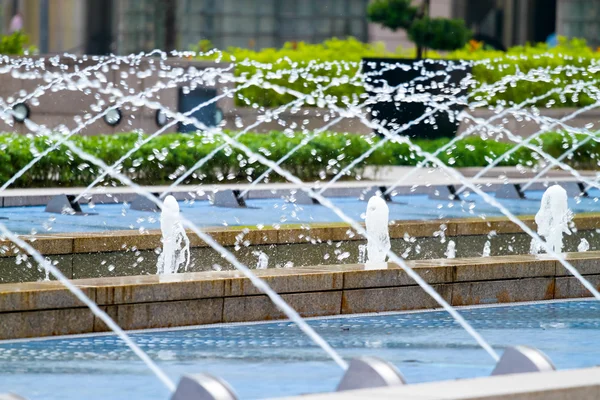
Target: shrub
{"points": [[15, 44], [556, 68], [320, 64], [165, 158], [301, 67], [425, 32]]}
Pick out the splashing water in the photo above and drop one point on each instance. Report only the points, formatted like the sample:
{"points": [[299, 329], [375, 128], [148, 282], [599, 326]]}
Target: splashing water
{"points": [[554, 217], [378, 242], [176, 245], [351, 110], [583, 246], [362, 253], [486, 249], [101, 314], [451, 249], [263, 260]]}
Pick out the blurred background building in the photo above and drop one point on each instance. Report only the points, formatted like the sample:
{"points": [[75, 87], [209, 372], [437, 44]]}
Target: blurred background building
{"points": [[130, 26]]}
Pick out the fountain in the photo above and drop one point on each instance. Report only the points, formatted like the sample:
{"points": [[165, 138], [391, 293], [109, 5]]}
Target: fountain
{"points": [[176, 245], [451, 249], [263, 260], [583, 246], [554, 217], [486, 249], [378, 239]]}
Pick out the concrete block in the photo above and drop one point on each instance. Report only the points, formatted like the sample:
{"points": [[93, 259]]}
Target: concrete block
{"points": [[115, 241], [161, 288], [391, 299], [286, 281], [30, 271], [31, 324], [585, 263], [498, 268], [256, 308], [169, 314], [123, 263], [508, 291], [33, 296], [395, 276], [572, 288]]}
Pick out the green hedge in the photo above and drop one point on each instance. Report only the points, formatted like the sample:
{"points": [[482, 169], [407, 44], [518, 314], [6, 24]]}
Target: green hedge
{"points": [[166, 157], [15, 44], [321, 64]]}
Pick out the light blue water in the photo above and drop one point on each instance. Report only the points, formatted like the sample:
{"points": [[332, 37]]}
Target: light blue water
{"points": [[276, 359], [24, 220]]}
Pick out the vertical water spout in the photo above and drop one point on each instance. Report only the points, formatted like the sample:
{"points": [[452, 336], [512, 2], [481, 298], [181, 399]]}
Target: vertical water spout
{"points": [[554, 217], [263, 260], [176, 245], [451, 249], [378, 243], [487, 249]]}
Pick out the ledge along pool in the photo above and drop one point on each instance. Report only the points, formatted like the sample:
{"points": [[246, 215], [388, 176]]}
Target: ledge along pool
{"points": [[276, 359]]}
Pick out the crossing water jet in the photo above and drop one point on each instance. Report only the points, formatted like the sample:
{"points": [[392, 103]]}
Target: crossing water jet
{"points": [[183, 221], [90, 304]]}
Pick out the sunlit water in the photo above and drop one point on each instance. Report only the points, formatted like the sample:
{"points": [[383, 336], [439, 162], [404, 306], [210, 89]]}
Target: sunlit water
{"points": [[276, 359], [272, 212], [29, 220]]}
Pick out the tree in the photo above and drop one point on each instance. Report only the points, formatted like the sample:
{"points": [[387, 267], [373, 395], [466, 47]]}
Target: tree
{"points": [[425, 32]]}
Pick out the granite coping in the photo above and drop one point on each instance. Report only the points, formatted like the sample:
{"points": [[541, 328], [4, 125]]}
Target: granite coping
{"points": [[583, 384], [212, 284], [35, 309], [114, 241]]}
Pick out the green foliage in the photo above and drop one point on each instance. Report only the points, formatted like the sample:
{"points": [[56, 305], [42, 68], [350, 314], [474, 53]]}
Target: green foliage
{"points": [[549, 66], [393, 14], [439, 33], [165, 158], [434, 33], [15, 44], [301, 67], [335, 61]]}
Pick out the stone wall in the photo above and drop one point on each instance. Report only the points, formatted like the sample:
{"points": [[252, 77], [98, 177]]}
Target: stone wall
{"points": [[129, 253], [46, 308]]}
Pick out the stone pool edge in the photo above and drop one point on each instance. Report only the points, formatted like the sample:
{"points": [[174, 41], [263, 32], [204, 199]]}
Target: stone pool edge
{"points": [[39, 309], [115, 241], [580, 384]]}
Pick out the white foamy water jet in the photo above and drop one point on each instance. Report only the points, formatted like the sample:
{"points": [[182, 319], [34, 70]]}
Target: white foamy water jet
{"points": [[176, 245], [263, 260], [376, 221], [583, 246], [486, 249], [362, 253], [553, 218], [451, 249]]}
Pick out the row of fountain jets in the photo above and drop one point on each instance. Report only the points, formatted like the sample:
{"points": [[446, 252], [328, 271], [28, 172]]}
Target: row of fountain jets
{"points": [[553, 220]]}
